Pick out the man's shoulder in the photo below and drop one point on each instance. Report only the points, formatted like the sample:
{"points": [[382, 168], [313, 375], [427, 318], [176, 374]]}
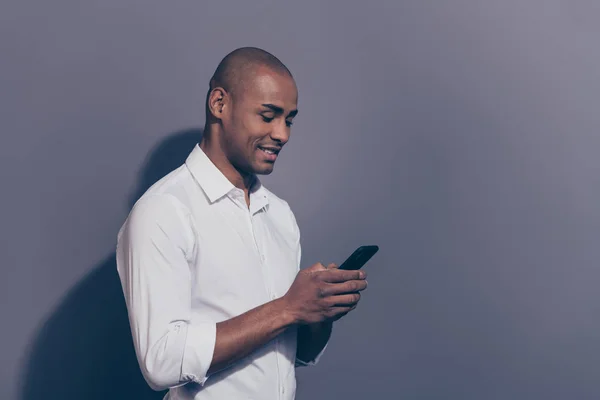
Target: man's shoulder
{"points": [[170, 183], [162, 200]]}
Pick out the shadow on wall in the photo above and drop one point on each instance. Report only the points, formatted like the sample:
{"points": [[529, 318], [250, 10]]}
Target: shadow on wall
{"points": [[85, 350]]}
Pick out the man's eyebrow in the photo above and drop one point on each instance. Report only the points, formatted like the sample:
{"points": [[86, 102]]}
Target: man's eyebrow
{"points": [[279, 110]]}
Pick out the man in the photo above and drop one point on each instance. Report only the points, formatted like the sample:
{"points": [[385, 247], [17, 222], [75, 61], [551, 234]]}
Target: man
{"points": [[209, 259]]}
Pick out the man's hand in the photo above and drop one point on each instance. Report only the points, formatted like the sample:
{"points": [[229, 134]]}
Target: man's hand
{"points": [[318, 293]]}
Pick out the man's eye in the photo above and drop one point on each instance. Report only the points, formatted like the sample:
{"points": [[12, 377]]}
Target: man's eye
{"points": [[266, 119], [289, 123]]}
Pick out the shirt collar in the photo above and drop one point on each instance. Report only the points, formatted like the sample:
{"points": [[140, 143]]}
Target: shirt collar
{"points": [[216, 185], [259, 197]]}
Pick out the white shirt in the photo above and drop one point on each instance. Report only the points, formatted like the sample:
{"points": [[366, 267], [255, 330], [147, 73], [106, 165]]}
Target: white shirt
{"points": [[191, 254]]}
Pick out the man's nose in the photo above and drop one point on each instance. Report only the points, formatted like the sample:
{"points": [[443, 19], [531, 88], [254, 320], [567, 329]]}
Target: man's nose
{"points": [[281, 132]]}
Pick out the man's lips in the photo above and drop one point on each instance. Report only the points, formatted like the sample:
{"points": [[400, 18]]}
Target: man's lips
{"points": [[272, 149], [269, 152]]}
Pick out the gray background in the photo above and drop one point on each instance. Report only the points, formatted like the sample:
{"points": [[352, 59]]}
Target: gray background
{"points": [[459, 136]]}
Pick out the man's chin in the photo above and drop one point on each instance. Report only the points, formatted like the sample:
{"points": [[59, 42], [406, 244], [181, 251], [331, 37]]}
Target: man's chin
{"points": [[264, 169]]}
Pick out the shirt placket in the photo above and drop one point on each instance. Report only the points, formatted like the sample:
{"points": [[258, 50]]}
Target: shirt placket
{"points": [[270, 292]]}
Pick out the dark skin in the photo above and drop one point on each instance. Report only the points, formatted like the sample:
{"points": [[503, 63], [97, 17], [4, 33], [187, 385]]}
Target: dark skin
{"points": [[259, 115]]}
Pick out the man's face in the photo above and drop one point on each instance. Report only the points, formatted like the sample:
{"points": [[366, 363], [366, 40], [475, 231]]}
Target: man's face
{"points": [[258, 122]]}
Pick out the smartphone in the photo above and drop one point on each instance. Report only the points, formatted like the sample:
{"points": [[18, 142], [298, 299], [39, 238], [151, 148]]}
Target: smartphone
{"points": [[359, 257]]}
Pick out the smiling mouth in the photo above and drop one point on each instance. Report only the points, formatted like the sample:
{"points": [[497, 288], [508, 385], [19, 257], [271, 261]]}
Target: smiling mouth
{"points": [[269, 150]]}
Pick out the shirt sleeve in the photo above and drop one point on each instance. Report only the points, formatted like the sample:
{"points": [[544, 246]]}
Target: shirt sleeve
{"points": [[298, 362], [153, 249]]}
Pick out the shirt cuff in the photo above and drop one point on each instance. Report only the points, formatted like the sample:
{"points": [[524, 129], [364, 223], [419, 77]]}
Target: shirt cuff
{"points": [[199, 349], [310, 363]]}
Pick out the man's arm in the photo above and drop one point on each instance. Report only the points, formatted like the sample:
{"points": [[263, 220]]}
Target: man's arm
{"points": [[315, 300], [312, 340], [239, 336], [151, 261]]}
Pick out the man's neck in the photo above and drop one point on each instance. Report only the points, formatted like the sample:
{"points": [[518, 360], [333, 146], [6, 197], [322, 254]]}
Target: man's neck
{"points": [[213, 151]]}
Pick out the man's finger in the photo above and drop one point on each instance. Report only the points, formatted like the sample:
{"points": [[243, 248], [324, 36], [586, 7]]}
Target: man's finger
{"points": [[332, 266], [336, 275], [354, 286], [344, 300]]}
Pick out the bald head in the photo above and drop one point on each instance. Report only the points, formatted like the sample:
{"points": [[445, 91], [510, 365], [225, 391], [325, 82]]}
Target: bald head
{"points": [[250, 107], [238, 68]]}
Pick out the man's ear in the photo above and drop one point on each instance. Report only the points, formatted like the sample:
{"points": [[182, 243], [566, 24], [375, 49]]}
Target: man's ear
{"points": [[217, 100]]}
